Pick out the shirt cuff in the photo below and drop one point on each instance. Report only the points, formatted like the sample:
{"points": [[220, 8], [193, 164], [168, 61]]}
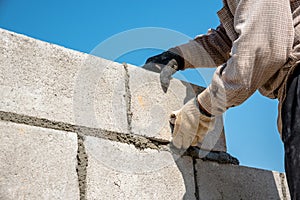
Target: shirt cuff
{"points": [[211, 104], [195, 55]]}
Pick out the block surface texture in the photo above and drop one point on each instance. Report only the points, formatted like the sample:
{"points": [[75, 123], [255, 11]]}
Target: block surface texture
{"points": [[48, 81], [151, 107], [37, 163], [43, 80], [120, 171], [217, 181]]}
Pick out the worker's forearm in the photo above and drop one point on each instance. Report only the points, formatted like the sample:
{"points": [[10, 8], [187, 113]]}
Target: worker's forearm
{"points": [[208, 50], [265, 39]]}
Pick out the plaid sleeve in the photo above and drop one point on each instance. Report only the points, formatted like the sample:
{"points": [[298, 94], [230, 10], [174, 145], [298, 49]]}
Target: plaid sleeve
{"points": [[265, 39], [209, 50]]}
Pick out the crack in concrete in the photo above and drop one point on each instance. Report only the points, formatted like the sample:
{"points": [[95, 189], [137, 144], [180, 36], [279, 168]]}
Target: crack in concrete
{"points": [[128, 98], [283, 188], [197, 194], [140, 142], [81, 169]]}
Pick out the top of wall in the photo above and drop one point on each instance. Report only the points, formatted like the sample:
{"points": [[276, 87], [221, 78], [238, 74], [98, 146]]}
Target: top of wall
{"points": [[51, 82]]}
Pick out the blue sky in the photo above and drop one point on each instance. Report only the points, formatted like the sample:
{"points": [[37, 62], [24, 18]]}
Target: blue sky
{"points": [[251, 130]]}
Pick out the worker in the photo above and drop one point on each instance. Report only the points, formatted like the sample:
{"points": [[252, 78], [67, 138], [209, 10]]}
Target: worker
{"points": [[255, 47]]}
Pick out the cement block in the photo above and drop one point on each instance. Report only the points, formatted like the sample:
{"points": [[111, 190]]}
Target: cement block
{"points": [[151, 107], [48, 81], [37, 163], [217, 181], [120, 171]]}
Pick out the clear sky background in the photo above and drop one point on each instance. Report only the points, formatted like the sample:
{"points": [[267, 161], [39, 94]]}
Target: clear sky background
{"points": [[251, 128]]}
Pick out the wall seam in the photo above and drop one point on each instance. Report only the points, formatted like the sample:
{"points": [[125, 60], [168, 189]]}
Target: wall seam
{"points": [[283, 188], [81, 169], [140, 142], [197, 194], [128, 98]]}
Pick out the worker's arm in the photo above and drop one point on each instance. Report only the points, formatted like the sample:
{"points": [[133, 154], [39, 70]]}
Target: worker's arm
{"points": [[265, 38], [209, 50]]}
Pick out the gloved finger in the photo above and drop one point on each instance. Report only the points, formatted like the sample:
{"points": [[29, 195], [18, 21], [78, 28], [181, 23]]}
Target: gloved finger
{"points": [[155, 59], [177, 138], [154, 67], [196, 141], [182, 138], [189, 135], [177, 123], [188, 129], [177, 141], [187, 141], [173, 116], [166, 74]]}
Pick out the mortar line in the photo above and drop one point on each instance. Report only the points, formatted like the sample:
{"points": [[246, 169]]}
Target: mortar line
{"points": [[140, 142], [197, 194], [81, 169], [283, 188], [128, 98]]}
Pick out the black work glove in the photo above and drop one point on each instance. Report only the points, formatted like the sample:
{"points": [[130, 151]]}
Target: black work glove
{"points": [[166, 63]]}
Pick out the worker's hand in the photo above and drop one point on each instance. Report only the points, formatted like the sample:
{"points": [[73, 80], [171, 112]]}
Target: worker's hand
{"points": [[190, 125], [166, 63]]}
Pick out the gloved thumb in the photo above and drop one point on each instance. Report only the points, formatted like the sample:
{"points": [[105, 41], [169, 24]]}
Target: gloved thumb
{"points": [[173, 116]]}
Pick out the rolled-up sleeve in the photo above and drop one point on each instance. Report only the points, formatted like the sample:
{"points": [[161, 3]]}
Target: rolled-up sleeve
{"points": [[265, 39]]}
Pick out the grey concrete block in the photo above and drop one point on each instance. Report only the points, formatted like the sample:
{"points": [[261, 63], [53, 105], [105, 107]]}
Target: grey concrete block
{"points": [[151, 107], [217, 181], [37, 163], [120, 171], [48, 81]]}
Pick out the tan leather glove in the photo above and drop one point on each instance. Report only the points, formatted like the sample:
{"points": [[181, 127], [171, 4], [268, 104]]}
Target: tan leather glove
{"points": [[190, 125]]}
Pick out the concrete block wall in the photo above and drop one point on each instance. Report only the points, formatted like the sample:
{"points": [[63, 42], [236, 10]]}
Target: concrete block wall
{"points": [[75, 126]]}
